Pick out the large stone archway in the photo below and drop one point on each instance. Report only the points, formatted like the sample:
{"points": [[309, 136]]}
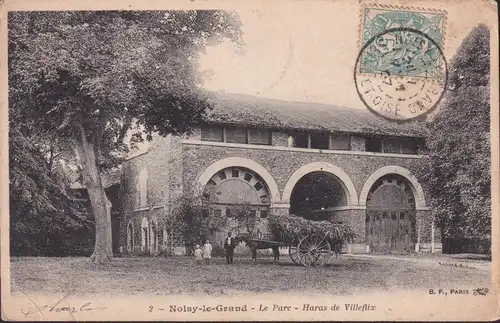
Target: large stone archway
{"points": [[415, 186], [245, 163], [238, 187], [344, 180], [397, 216]]}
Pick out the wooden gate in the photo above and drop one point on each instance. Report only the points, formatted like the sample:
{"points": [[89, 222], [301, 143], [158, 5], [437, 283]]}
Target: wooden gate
{"points": [[390, 216]]}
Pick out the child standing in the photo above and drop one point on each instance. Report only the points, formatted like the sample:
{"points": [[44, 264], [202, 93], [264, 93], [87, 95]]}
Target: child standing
{"points": [[207, 252], [198, 254]]}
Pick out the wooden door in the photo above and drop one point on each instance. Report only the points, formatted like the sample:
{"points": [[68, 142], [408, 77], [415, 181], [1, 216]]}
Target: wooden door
{"points": [[389, 231], [390, 217]]}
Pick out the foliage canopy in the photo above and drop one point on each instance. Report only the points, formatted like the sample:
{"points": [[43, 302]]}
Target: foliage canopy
{"points": [[87, 78], [457, 167]]}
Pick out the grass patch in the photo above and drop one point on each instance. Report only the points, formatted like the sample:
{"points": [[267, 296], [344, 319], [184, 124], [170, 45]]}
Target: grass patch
{"points": [[471, 256], [181, 275]]}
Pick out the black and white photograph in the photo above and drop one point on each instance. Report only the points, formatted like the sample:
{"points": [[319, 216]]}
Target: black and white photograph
{"points": [[281, 160]]}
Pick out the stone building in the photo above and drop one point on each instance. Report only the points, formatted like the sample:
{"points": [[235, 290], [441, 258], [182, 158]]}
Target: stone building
{"points": [[280, 157]]}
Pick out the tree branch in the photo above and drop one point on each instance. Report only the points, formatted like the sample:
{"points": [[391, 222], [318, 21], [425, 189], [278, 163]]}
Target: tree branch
{"points": [[124, 129]]}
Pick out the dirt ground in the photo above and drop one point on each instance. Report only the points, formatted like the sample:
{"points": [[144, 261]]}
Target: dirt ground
{"points": [[181, 275]]}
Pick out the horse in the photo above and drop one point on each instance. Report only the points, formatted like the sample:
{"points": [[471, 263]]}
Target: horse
{"points": [[258, 245]]}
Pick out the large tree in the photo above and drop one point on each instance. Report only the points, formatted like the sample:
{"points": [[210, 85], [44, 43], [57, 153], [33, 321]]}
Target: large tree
{"points": [[45, 217], [88, 78], [457, 168]]}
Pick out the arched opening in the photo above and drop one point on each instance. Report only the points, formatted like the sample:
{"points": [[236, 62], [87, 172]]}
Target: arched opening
{"points": [[145, 234], [241, 163], [318, 196], [130, 237], [390, 215], [237, 189]]}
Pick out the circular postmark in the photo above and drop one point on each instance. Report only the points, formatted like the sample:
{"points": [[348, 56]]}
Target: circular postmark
{"points": [[401, 74]]}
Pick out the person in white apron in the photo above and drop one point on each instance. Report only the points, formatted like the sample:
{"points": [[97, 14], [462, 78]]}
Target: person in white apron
{"points": [[207, 252], [198, 254]]}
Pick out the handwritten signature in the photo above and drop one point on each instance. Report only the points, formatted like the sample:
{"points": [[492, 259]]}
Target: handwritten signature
{"points": [[57, 307]]}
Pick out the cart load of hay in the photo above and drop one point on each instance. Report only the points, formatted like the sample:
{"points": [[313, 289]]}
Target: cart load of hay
{"points": [[291, 228]]}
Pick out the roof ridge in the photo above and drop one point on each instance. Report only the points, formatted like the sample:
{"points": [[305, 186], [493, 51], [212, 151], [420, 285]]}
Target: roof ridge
{"points": [[245, 109]]}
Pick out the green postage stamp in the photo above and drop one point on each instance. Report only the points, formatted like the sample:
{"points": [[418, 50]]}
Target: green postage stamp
{"points": [[401, 72], [403, 42]]}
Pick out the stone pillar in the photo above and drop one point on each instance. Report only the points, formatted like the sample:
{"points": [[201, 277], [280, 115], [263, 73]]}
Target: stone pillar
{"points": [[437, 244], [357, 143], [423, 231], [354, 218], [279, 139], [358, 223]]}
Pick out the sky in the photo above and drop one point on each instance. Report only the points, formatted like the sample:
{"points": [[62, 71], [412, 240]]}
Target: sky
{"points": [[307, 51]]}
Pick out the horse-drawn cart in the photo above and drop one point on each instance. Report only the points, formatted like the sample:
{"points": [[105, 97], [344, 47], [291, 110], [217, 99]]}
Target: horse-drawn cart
{"points": [[309, 250], [310, 243]]}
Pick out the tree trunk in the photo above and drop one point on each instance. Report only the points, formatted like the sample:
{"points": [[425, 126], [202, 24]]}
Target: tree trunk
{"points": [[103, 250]]}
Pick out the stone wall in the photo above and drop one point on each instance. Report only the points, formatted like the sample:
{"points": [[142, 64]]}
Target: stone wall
{"points": [[282, 163], [164, 183], [174, 165], [356, 220]]}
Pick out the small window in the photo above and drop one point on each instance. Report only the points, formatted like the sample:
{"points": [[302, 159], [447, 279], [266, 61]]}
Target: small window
{"points": [[392, 146], [217, 212], [204, 213], [264, 199], [253, 213], [212, 133], [236, 135], [228, 213], [263, 214], [301, 140], [259, 137], [374, 145], [409, 146], [248, 177], [320, 141], [339, 142], [222, 175], [235, 173], [258, 186]]}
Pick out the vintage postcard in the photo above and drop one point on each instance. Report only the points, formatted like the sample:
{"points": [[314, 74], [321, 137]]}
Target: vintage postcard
{"points": [[249, 160]]}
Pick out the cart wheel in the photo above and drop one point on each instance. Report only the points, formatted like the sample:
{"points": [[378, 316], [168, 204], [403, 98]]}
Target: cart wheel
{"points": [[313, 251], [292, 251]]}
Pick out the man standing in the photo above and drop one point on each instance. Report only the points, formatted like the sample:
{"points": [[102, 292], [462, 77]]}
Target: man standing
{"points": [[229, 246]]}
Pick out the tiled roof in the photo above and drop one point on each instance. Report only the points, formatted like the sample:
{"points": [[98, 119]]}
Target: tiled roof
{"points": [[239, 109]]}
